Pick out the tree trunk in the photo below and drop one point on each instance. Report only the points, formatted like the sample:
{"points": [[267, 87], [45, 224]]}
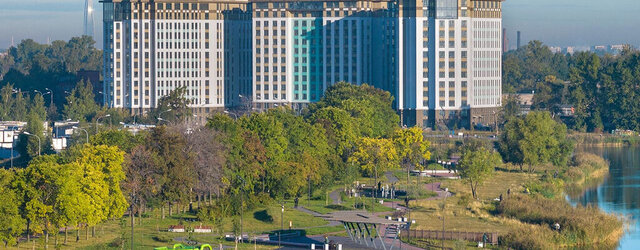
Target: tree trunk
{"points": [[66, 235], [86, 236], [170, 209], [55, 241], [162, 211], [199, 201], [78, 233], [132, 224], [28, 236], [140, 213], [93, 231], [46, 239]]}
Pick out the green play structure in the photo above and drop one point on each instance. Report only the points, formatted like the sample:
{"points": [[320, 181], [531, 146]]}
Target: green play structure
{"points": [[180, 246]]}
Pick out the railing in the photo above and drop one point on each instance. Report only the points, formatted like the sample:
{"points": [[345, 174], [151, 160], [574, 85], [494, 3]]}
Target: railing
{"points": [[492, 238]]}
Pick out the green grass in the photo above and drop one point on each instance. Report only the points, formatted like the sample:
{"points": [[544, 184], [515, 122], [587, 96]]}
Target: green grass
{"points": [[152, 233]]}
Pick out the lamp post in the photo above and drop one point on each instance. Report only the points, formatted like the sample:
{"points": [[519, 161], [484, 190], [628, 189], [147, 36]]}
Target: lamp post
{"points": [[39, 141], [231, 113], [98, 119], [85, 131], [160, 114], [281, 225]]}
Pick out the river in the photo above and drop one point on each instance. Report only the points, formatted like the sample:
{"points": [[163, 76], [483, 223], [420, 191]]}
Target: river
{"points": [[620, 192]]}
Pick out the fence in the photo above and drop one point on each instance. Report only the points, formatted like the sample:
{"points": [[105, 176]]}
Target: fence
{"points": [[492, 238]]}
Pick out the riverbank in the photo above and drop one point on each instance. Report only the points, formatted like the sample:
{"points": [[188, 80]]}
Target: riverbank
{"points": [[604, 140], [525, 216]]}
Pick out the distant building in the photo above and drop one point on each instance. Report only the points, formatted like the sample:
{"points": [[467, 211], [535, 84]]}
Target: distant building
{"points": [[556, 49], [570, 50], [505, 41], [525, 101], [565, 110], [64, 128], [618, 48], [599, 48]]}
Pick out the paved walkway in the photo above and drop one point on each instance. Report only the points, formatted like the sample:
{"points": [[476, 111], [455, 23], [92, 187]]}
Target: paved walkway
{"points": [[435, 187]]}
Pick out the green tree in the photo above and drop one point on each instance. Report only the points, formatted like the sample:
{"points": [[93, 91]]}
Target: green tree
{"points": [[11, 223], [18, 111], [535, 139], [81, 105], [374, 156], [175, 166], [172, 108], [478, 165], [412, 148], [371, 107]]}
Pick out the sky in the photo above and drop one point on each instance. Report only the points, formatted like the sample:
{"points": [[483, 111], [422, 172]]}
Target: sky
{"points": [[580, 23]]}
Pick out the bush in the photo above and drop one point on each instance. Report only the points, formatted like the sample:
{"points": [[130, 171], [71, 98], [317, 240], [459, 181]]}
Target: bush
{"points": [[579, 225], [338, 207], [464, 200], [162, 238], [263, 215], [117, 242]]}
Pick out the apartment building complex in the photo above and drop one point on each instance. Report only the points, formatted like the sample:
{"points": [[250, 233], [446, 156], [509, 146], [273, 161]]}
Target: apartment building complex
{"points": [[440, 59], [154, 47]]}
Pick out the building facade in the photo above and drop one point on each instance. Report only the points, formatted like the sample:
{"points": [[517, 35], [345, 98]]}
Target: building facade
{"points": [[155, 47], [440, 59]]}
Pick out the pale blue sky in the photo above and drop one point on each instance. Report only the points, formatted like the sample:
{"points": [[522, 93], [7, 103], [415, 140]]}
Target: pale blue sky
{"points": [[555, 22]]}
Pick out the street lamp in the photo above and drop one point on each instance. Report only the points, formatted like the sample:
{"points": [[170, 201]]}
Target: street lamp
{"points": [[231, 113], [39, 141], [98, 119], [85, 131], [281, 225], [160, 115]]}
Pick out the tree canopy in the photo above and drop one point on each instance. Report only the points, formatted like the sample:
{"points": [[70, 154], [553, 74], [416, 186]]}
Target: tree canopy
{"points": [[535, 139]]}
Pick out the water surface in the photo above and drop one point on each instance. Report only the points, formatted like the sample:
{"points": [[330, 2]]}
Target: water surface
{"points": [[620, 192]]}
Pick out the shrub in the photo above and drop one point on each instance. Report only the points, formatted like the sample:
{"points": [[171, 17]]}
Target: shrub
{"points": [[117, 242], [579, 225], [338, 207], [263, 215], [162, 238]]}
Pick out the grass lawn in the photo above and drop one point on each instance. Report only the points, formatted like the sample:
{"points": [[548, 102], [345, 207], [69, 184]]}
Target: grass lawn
{"points": [[462, 213], [152, 233]]}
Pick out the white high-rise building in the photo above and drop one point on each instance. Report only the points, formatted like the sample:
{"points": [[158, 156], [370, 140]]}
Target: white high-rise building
{"points": [[155, 47], [440, 59]]}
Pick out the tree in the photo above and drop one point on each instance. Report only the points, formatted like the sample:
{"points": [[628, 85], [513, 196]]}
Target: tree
{"points": [[123, 139], [11, 223], [476, 166], [411, 147], [371, 107], [28, 145], [173, 107], [175, 165], [81, 105], [535, 139], [141, 182], [210, 157], [375, 155]]}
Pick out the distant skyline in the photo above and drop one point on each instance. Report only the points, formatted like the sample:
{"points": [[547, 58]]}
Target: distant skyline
{"points": [[562, 23]]}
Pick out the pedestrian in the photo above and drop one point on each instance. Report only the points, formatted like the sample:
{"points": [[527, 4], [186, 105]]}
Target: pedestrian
{"points": [[508, 191], [296, 202], [500, 197], [406, 201]]}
